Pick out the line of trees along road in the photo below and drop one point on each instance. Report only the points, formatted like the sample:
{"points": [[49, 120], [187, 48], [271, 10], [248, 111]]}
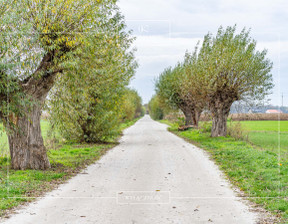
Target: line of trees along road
{"points": [[75, 52], [224, 69]]}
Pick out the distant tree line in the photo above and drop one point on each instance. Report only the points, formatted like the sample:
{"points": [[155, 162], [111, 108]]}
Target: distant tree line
{"points": [[240, 107]]}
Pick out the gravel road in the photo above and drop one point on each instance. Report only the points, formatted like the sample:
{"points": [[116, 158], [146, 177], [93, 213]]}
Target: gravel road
{"points": [[152, 176]]}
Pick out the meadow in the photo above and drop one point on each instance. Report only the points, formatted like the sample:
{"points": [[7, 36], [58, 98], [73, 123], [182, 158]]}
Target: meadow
{"points": [[66, 159], [270, 135], [4, 147], [258, 166], [3, 142]]}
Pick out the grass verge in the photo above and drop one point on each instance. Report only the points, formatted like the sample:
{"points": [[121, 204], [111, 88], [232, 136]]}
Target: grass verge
{"points": [[20, 186], [259, 173]]}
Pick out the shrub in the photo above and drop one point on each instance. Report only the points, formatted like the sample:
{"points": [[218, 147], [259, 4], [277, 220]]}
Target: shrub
{"points": [[132, 105], [205, 126], [180, 121], [155, 110], [235, 130]]}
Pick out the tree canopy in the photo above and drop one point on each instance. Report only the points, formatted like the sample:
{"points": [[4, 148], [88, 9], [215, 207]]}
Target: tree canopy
{"points": [[77, 46], [225, 69], [88, 99]]}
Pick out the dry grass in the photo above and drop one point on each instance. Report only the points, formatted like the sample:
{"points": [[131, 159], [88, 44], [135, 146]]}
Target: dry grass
{"points": [[258, 117], [250, 117], [235, 117], [235, 130]]}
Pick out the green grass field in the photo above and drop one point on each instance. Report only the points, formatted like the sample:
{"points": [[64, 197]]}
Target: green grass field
{"points": [[256, 166], [21, 186], [4, 140], [24, 185], [273, 126], [270, 135]]}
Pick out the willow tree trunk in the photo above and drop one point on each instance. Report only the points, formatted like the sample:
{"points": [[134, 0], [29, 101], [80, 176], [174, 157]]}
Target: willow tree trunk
{"points": [[219, 124], [196, 116], [188, 116], [192, 115], [220, 111], [26, 145]]}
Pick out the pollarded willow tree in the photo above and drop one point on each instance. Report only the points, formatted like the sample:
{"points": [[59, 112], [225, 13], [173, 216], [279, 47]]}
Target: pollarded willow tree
{"points": [[49, 33], [169, 88], [231, 70], [86, 103], [192, 91]]}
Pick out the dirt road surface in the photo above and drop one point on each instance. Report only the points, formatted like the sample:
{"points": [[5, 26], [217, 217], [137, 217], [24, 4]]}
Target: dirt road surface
{"points": [[152, 176]]}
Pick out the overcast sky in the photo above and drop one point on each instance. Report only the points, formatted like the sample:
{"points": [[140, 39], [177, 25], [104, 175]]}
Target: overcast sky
{"points": [[165, 29]]}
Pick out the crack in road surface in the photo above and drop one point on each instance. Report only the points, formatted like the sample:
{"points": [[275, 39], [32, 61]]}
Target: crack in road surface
{"points": [[152, 176]]}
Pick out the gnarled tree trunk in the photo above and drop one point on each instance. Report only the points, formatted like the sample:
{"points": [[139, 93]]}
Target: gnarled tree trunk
{"points": [[26, 145], [219, 124], [192, 115], [196, 116], [220, 108], [188, 116]]}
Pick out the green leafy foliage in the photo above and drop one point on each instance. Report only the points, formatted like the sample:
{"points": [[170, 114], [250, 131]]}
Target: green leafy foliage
{"points": [[80, 49], [66, 161], [85, 105], [177, 88], [168, 87], [155, 110], [225, 69], [12, 99], [131, 106], [231, 65]]}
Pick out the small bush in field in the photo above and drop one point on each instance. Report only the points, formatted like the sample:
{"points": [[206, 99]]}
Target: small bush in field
{"points": [[206, 126], [180, 121], [235, 130]]}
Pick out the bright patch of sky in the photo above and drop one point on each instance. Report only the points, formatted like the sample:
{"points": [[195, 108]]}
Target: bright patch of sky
{"points": [[165, 29]]}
